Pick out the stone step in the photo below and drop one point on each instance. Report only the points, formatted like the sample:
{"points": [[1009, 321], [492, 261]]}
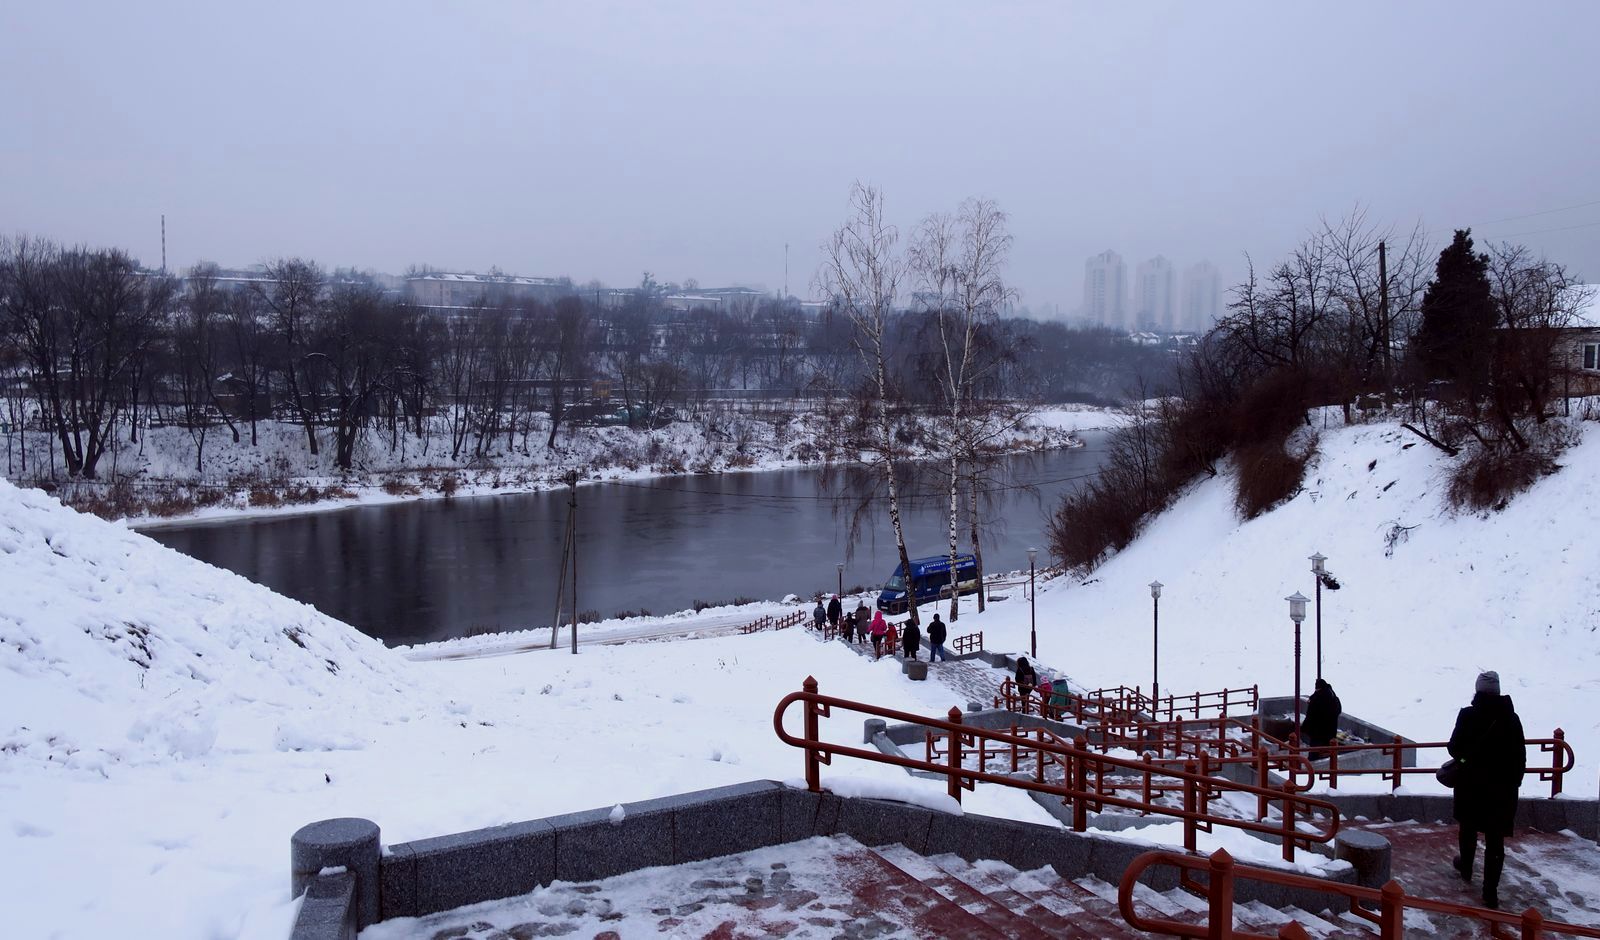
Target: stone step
{"points": [[938, 877], [875, 884], [1059, 916]]}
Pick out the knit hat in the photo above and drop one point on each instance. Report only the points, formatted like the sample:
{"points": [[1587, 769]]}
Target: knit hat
{"points": [[1487, 682]]}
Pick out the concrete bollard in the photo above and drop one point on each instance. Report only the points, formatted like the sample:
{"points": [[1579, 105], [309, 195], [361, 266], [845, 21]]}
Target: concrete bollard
{"points": [[1368, 852], [915, 669], [348, 843], [871, 728]]}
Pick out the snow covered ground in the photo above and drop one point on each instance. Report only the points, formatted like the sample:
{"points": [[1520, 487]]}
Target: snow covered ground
{"points": [[165, 726]]}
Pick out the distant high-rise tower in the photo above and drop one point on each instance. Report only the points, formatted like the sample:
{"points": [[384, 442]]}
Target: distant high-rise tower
{"points": [[1202, 297], [1153, 300], [1105, 289]]}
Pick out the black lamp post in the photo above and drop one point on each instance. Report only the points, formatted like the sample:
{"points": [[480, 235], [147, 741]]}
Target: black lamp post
{"points": [[1297, 613], [1325, 579], [840, 566], [1033, 607], [1155, 645]]}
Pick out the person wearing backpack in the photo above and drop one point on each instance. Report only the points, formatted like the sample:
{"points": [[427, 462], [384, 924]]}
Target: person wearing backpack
{"points": [[1492, 752]]}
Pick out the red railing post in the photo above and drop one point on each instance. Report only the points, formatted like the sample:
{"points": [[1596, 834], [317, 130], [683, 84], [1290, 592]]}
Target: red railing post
{"points": [[1147, 774], [1288, 819], [1333, 768], [1391, 911], [1188, 805], [813, 766], [1395, 785], [1013, 748], [1205, 791], [1532, 924], [1556, 764], [955, 756], [1078, 773], [1261, 781], [1219, 895]]}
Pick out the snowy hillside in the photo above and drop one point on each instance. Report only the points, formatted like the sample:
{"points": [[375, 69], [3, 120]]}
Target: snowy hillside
{"points": [[114, 648], [1429, 598]]}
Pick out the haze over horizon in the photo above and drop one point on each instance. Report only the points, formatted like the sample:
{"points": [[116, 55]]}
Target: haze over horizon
{"points": [[696, 140]]}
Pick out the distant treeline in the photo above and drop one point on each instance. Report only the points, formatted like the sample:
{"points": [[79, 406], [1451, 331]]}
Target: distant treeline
{"points": [[93, 346]]}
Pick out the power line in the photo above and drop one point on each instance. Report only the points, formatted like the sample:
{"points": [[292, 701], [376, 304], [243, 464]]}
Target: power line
{"points": [[1529, 215], [1542, 231]]}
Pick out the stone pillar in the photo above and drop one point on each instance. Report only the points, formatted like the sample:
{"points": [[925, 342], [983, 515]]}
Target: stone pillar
{"points": [[1368, 852], [915, 669], [348, 843], [871, 728]]}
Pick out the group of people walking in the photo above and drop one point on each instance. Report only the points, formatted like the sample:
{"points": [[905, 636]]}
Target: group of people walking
{"points": [[863, 624]]}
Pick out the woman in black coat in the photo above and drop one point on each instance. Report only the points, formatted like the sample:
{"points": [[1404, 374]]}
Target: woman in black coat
{"points": [[1490, 747], [910, 639]]}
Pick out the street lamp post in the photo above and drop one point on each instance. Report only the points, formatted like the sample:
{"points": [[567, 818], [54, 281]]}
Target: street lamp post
{"points": [[1033, 607], [1155, 645], [840, 566], [1297, 613], [1325, 579]]}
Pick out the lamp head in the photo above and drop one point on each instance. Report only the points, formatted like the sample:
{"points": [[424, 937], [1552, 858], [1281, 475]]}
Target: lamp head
{"points": [[1297, 606], [1033, 553], [1316, 563], [1155, 590]]}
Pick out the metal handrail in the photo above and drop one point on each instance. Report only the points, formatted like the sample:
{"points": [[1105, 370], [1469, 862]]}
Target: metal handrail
{"points": [[1074, 788], [1389, 917], [1562, 759], [967, 643]]}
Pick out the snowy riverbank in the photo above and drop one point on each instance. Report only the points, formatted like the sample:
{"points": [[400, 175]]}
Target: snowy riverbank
{"points": [[156, 483]]}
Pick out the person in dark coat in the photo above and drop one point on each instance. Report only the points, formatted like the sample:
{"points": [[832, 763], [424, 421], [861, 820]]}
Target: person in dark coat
{"points": [[910, 639], [834, 608], [1489, 745], [1026, 680], [863, 620], [936, 635], [1322, 718], [820, 615]]}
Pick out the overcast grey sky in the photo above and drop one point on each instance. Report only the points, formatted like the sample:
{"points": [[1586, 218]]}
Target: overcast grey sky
{"points": [[694, 140]]}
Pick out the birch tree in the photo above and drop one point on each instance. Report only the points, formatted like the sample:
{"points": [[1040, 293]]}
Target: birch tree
{"points": [[958, 261], [861, 272]]}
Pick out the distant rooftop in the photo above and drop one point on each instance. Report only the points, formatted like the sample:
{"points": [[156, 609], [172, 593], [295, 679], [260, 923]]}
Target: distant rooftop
{"points": [[484, 278]]}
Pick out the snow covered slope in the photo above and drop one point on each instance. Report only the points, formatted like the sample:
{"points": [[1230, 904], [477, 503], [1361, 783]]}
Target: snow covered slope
{"points": [[114, 648], [1429, 598]]}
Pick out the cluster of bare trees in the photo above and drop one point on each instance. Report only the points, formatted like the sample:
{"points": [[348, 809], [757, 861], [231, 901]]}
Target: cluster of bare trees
{"points": [[956, 358], [94, 349], [1472, 343]]}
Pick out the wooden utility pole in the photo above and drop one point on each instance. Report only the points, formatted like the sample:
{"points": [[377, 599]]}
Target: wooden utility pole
{"points": [[572, 531], [1383, 316]]}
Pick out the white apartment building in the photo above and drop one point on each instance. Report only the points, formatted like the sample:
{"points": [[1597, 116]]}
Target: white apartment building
{"points": [[1105, 290], [1153, 295], [1202, 297]]}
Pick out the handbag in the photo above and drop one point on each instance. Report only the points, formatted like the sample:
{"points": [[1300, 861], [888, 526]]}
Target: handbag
{"points": [[1449, 773]]}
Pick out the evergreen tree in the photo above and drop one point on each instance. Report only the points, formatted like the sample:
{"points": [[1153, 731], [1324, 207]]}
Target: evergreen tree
{"points": [[1455, 339]]}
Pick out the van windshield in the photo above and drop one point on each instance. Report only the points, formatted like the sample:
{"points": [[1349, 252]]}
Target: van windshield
{"points": [[896, 583]]}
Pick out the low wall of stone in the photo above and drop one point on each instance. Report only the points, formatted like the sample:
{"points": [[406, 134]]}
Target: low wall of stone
{"points": [[417, 878]]}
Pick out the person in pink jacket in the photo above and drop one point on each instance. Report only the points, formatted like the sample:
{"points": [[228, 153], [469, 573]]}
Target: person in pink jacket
{"points": [[880, 629]]}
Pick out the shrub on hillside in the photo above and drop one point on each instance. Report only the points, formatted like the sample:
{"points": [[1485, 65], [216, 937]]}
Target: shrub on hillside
{"points": [[1486, 479], [1267, 474]]}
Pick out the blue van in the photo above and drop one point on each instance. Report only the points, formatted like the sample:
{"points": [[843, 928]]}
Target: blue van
{"points": [[930, 578]]}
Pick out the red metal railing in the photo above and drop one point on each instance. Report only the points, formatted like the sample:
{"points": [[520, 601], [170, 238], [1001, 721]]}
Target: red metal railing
{"points": [[1079, 765], [1562, 760], [967, 643], [1390, 902], [1125, 706], [770, 622]]}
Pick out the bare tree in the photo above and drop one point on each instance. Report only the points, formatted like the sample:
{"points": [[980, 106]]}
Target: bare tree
{"points": [[958, 261], [294, 300], [861, 272]]}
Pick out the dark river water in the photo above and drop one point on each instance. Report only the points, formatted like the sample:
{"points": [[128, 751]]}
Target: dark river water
{"points": [[431, 570]]}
